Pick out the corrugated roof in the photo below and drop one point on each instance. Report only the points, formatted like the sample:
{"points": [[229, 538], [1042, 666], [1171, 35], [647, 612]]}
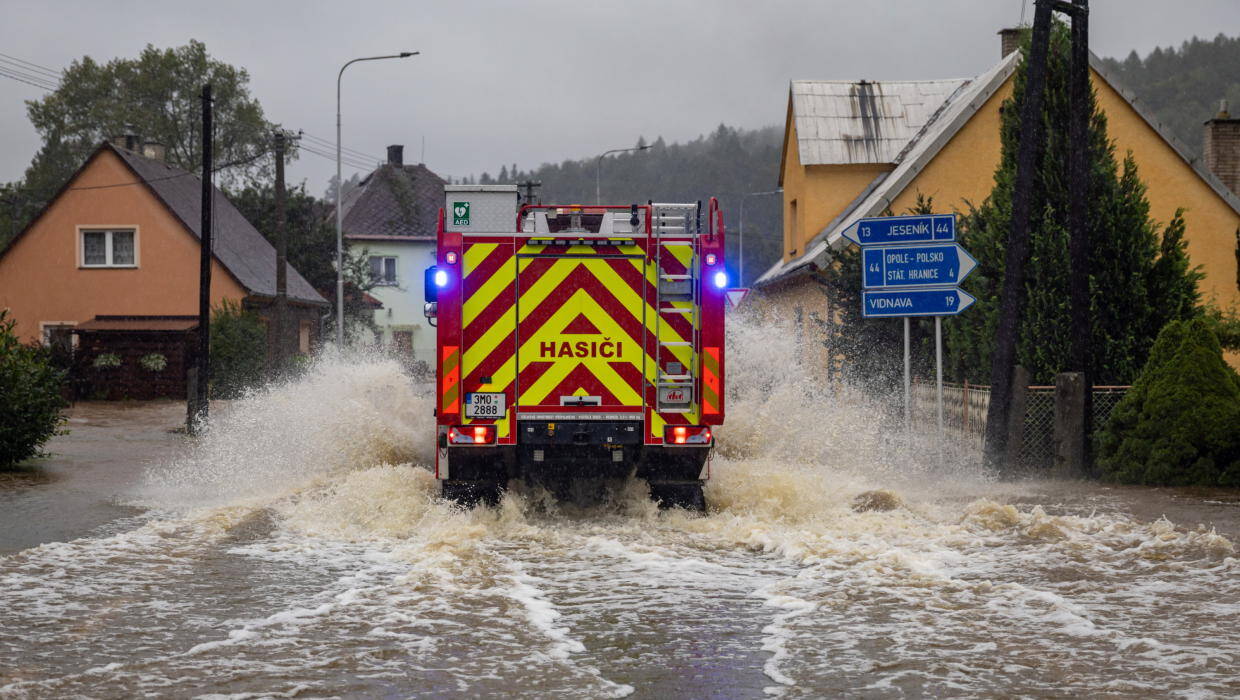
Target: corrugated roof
{"points": [[921, 148], [237, 245], [139, 323], [395, 201], [925, 145], [840, 122]]}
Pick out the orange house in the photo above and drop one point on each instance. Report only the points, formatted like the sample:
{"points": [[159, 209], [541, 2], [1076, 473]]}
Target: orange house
{"points": [[853, 149], [118, 249]]}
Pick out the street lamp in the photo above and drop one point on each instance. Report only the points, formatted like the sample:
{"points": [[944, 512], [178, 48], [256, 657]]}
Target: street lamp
{"points": [[741, 247], [340, 200], [598, 168]]}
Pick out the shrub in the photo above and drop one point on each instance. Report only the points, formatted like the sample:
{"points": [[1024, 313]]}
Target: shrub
{"points": [[30, 398], [154, 362], [1178, 424], [238, 349], [107, 360]]}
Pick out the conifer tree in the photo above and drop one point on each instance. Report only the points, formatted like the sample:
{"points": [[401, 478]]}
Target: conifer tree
{"points": [[1140, 280]]}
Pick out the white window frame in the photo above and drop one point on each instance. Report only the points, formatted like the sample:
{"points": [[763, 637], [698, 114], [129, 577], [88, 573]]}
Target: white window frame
{"points": [[109, 230], [45, 325], [395, 270]]}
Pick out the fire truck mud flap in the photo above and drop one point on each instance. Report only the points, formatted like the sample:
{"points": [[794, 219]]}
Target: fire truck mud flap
{"points": [[678, 494]]}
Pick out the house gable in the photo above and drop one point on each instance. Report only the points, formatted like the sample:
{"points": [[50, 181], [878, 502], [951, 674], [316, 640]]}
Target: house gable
{"points": [[40, 277]]}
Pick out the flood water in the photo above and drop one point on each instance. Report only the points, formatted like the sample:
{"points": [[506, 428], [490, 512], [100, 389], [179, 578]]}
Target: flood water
{"points": [[299, 550]]}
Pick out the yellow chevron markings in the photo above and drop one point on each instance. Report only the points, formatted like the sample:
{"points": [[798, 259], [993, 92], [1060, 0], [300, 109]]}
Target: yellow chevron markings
{"points": [[580, 303], [544, 285], [492, 288], [475, 254]]}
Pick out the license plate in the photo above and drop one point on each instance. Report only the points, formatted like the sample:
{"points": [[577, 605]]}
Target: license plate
{"points": [[484, 406]]}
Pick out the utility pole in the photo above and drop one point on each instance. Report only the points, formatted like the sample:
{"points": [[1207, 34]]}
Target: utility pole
{"points": [[282, 325], [1012, 301], [198, 407], [531, 189], [1078, 227]]}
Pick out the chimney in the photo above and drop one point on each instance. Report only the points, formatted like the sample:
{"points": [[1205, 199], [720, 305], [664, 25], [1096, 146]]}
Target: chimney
{"points": [[1009, 40], [127, 140], [1222, 148], [396, 155], [153, 150]]}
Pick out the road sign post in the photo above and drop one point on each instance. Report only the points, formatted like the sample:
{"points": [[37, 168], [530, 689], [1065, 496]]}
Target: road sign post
{"points": [[735, 296], [933, 265], [910, 267], [890, 303], [903, 230]]}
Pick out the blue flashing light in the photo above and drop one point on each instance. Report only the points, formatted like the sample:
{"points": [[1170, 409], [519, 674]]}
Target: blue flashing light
{"points": [[721, 279], [441, 278]]}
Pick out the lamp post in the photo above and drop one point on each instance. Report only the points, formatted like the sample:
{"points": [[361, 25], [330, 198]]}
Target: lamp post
{"points": [[598, 168], [741, 247], [340, 200]]}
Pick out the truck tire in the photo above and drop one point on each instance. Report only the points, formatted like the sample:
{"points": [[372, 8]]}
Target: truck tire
{"points": [[468, 494], [678, 494]]}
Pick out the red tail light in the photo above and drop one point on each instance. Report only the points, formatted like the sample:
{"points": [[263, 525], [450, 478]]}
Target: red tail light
{"points": [[687, 435], [471, 435]]}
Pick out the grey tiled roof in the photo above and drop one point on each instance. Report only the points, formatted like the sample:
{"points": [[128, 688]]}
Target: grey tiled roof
{"points": [[395, 201], [237, 245]]}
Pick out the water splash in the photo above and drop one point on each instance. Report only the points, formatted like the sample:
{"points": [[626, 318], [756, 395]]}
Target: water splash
{"points": [[303, 548], [345, 413]]}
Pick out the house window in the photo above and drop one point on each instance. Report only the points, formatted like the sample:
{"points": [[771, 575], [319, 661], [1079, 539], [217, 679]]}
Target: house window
{"points": [[793, 229], [303, 338], [110, 248], [383, 270], [59, 335]]}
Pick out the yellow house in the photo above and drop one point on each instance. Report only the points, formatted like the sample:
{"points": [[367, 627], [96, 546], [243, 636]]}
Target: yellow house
{"points": [[854, 149]]}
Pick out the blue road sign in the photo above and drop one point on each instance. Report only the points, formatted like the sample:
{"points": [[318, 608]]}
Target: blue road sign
{"points": [[948, 301], [891, 230], [915, 266]]}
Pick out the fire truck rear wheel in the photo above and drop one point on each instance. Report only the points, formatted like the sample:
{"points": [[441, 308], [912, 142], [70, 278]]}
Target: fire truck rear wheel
{"points": [[468, 494], [678, 494]]}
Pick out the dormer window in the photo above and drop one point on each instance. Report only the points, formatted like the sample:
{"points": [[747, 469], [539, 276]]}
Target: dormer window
{"points": [[109, 248]]}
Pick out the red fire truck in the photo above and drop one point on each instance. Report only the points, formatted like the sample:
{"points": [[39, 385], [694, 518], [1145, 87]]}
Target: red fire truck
{"points": [[576, 343]]}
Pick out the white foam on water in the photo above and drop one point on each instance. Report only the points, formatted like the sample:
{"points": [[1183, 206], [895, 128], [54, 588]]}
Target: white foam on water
{"points": [[300, 547]]}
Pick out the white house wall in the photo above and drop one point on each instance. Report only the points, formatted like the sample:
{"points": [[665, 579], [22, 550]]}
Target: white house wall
{"points": [[403, 303]]}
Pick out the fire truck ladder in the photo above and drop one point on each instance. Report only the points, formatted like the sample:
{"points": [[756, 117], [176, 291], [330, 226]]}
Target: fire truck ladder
{"points": [[679, 223]]}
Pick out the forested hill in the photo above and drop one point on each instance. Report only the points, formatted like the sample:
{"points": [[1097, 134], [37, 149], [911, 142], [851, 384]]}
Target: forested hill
{"points": [[726, 163], [1183, 86]]}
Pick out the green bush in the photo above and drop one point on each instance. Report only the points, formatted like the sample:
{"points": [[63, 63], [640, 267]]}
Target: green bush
{"points": [[30, 398], [1179, 424], [238, 350]]}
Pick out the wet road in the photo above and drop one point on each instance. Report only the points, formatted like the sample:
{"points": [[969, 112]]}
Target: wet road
{"points": [[298, 550]]}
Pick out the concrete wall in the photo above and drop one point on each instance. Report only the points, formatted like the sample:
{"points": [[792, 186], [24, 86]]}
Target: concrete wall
{"points": [[42, 281]]}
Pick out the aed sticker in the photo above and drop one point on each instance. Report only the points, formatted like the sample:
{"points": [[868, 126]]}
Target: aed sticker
{"points": [[460, 213]]}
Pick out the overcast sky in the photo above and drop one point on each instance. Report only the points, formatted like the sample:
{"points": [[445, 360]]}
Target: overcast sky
{"points": [[545, 80]]}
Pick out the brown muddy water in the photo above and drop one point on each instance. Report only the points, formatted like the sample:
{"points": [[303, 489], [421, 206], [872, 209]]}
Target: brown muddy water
{"points": [[298, 550]]}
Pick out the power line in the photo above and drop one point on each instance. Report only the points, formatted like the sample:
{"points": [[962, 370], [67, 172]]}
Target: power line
{"points": [[42, 86], [330, 144], [351, 162], [125, 184], [355, 163], [27, 73], [44, 69]]}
